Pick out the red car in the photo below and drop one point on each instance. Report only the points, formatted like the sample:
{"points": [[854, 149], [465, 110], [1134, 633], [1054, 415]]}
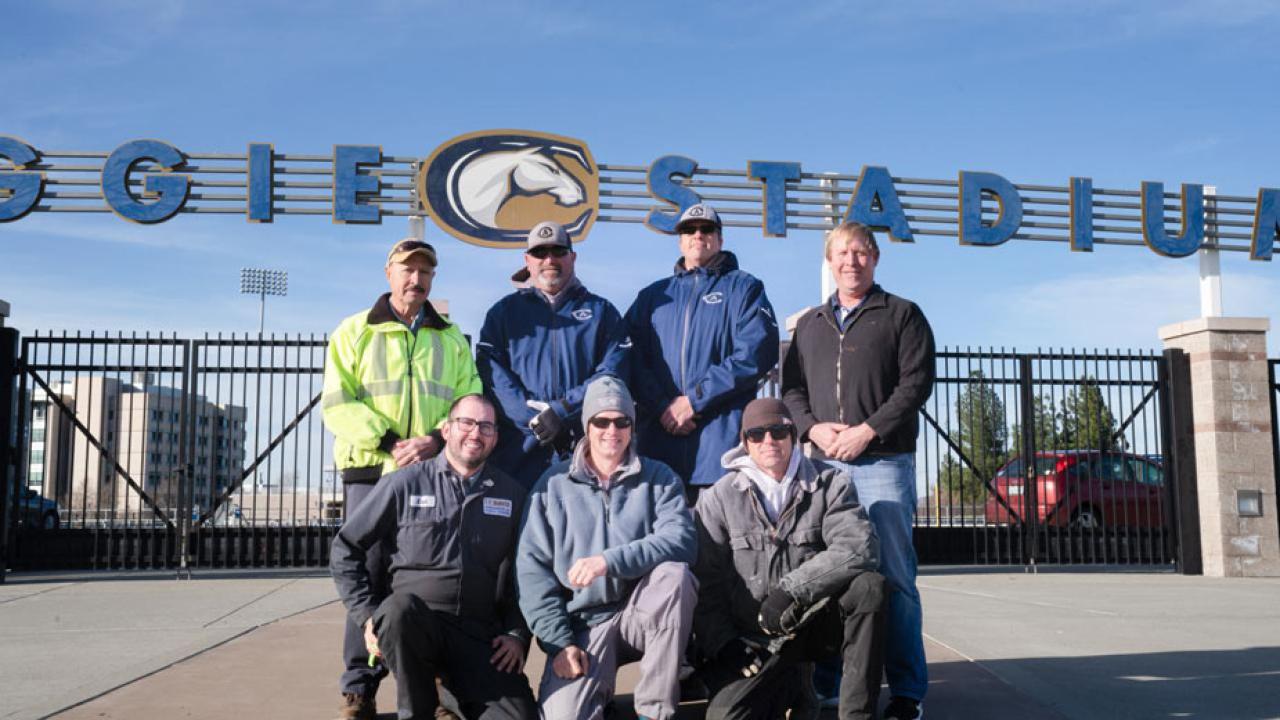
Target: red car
{"points": [[1082, 489]]}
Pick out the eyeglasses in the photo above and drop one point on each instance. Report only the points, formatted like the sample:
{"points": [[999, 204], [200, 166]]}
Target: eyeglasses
{"points": [[555, 251], [777, 432], [694, 228], [466, 424], [622, 423]]}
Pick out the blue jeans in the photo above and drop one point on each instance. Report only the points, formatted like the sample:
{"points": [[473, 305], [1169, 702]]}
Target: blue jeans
{"points": [[886, 486]]}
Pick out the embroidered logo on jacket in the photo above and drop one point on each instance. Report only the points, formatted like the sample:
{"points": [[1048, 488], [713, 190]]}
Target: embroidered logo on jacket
{"points": [[713, 298], [583, 314], [422, 501]]}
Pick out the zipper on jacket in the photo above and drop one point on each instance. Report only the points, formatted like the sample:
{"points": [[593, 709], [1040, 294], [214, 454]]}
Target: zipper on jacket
{"points": [[413, 343], [684, 337], [839, 361]]}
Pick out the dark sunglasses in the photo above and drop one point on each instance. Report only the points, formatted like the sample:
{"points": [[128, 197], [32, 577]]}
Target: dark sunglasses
{"points": [[622, 423], [704, 228], [777, 432], [555, 251]]}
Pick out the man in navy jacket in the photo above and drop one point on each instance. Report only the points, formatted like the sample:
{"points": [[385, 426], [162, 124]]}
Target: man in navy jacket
{"points": [[538, 348], [704, 338]]}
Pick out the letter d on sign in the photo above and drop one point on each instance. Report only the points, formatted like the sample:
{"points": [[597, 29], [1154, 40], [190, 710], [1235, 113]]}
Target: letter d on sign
{"points": [[972, 231]]}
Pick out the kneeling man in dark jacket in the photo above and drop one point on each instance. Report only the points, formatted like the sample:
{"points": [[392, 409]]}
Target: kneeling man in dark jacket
{"points": [[786, 564], [453, 521]]}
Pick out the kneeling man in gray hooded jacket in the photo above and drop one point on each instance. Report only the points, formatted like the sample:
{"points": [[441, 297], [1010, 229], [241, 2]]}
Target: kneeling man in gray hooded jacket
{"points": [[786, 563], [603, 568]]}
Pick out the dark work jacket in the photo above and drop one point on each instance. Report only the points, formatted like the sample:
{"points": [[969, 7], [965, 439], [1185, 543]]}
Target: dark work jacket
{"points": [[880, 370], [452, 549], [531, 350], [822, 539], [707, 333]]}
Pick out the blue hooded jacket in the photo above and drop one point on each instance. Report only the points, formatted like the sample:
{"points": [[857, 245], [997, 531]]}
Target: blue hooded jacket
{"points": [[530, 350], [710, 334]]}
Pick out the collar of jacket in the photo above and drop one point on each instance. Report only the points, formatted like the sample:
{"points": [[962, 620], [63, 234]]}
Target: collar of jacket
{"points": [[876, 298], [483, 479], [574, 290], [381, 312], [806, 472], [724, 262], [578, 471]]}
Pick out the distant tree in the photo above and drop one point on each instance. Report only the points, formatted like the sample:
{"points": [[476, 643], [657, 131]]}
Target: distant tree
{"points": [[1045, 430], [1085, 420], [982, 435]]}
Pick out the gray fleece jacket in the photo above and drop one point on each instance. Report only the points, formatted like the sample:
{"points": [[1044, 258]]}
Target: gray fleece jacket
{"points": [[642, 520], [821, 541]]}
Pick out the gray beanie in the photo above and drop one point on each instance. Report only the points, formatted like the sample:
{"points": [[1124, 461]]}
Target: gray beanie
{"points": [[607, 393]]}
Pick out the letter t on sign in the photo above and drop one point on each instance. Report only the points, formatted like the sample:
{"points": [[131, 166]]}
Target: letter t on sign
{"points": [[774, 176]]}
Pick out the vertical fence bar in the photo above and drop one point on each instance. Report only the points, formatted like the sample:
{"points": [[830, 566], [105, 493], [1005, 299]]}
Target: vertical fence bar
{"points": [[1030, 479], [10, 472], [1180, 468], [1272, 388]]}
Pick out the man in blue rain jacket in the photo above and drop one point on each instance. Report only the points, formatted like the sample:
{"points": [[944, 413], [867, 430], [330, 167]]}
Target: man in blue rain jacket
{"points": [[703, 339], [538, 348]]}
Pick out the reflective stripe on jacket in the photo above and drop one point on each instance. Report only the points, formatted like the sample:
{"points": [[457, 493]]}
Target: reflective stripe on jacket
{"points": [[383, 383]]}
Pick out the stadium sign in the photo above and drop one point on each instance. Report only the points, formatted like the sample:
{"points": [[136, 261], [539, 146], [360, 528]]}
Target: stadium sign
{"points": [[490, 187]]}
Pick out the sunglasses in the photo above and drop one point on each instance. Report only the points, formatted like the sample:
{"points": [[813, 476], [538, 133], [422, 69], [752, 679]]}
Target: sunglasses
{"points": [[777, 432], [545, 251], [704, 228], [622, 423]]}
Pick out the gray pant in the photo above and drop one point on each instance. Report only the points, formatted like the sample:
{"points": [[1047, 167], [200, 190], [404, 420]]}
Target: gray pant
{"points": [[653, 627]]}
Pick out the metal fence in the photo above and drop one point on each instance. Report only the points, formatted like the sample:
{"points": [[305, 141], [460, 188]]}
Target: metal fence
{"points": [[164, 452], [151, 451], [1050, 457]]}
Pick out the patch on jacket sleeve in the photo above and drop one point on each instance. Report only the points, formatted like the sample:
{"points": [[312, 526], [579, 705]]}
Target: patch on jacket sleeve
{"points": [[500, 507], [422, 501]]}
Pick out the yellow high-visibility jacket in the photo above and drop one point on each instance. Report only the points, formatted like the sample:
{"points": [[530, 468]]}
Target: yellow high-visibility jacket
{"points": [[383, 383]]}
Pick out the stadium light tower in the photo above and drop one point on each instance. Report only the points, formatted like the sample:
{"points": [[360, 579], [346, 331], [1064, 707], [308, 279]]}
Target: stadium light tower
{"points": [[262, 282]]}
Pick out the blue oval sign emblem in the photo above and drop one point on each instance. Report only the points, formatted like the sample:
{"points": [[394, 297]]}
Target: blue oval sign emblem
{"points": [[489, 188]]}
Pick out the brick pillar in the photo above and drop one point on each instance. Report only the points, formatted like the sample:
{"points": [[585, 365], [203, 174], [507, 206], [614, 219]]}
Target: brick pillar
{"points": [[1231, 412]]}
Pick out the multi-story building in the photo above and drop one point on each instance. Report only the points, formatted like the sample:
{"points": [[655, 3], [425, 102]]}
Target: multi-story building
{"points": [[137, 428]]}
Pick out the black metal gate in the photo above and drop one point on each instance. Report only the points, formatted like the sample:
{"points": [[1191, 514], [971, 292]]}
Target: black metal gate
{"points": [[160, 452], [1046, 457]]}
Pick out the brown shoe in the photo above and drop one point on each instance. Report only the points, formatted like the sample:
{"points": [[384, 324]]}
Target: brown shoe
{"points": [[358, 707], [443, 713]]}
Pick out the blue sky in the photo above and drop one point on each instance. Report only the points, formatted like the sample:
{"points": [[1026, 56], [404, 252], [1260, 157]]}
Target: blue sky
{"points": [[1117, 91]]}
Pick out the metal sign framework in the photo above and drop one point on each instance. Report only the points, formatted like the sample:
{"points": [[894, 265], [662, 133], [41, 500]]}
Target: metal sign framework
{"points": [[387, 186]]}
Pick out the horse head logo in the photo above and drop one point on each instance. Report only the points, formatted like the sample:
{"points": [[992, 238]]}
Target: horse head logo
{"points": [[489, 188]]}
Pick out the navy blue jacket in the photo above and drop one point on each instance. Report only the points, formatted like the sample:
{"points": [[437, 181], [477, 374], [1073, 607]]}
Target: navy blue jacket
{"points": [[708, 333], [529, 350]]}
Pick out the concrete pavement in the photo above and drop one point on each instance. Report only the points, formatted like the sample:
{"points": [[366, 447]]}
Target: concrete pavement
{"points": [[1001, 644]]}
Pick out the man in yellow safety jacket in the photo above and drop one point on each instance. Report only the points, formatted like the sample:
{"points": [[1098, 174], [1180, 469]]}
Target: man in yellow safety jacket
{"points": [[390, 375]]}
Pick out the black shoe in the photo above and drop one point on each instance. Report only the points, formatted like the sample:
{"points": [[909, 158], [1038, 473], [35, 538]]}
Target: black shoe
{"points": [[904, 708]]}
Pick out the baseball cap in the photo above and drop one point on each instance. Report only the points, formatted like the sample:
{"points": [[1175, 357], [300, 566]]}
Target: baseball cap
{"points": [[409, 247], [701, 211], [544, 234]]}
